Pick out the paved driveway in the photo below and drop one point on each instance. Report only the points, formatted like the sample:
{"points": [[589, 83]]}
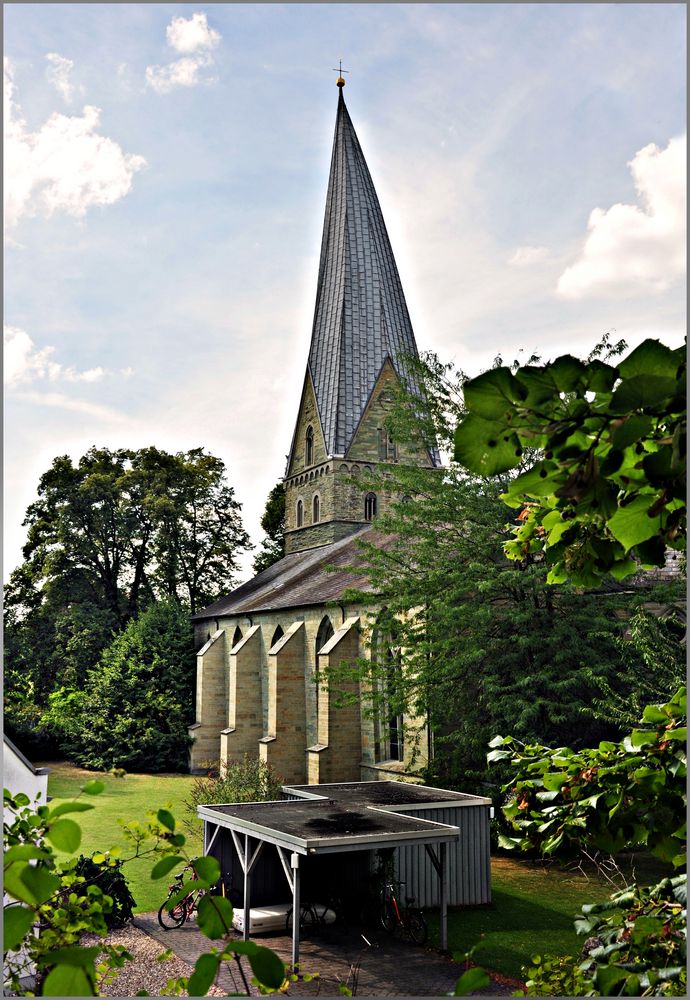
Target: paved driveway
{"points": [[388, 968]]}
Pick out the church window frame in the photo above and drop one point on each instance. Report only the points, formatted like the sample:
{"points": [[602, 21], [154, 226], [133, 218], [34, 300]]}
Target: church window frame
{"points": [[324, 634], [370, 506], [387, 670], [309, 446], [299, 513], [316, 509]]}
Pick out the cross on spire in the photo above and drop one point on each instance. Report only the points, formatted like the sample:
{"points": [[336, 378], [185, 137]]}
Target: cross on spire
{"points": [[340, 82]]}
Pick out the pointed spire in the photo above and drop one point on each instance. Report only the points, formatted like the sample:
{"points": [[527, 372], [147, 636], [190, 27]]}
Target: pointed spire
{"points": [[361, 317]]}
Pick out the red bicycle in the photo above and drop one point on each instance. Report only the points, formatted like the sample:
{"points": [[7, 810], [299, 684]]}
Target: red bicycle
{"points": [[175, 916]]}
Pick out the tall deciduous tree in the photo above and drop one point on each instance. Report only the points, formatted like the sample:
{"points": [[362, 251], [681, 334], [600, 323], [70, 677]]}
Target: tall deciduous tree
{"points": [[487, 644], [107, 537], [273, 523]]}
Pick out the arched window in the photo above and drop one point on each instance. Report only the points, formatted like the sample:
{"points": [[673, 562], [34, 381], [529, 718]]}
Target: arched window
{"points": [[277, 635], [309, 446], [322, 636], [388, 687], [316, 509], [300, 513], [370, 507]]}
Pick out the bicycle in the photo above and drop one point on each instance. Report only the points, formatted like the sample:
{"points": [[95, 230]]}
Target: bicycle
{"points": [[408, 919], [183, 908], [313, 916]]}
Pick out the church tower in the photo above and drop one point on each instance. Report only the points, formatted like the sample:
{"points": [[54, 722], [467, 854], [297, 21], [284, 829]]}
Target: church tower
{"points": [[361, 334]]}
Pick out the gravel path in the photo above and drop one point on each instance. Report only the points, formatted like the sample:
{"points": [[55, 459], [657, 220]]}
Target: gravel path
{"points": [[145, 972]]}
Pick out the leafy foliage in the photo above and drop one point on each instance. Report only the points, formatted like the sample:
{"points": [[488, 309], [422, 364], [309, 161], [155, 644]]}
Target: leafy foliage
{"points": [[52, 905], [653, 653], [611, 798], [489, 645], [273, 523], [107, 538], [246, 780], [617, 796], [110, 878], [636, 946], [608, 491], [138, 700]]}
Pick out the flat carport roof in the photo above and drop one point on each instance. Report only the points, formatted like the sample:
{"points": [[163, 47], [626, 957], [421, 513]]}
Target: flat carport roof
{"points": [[321, 824]]}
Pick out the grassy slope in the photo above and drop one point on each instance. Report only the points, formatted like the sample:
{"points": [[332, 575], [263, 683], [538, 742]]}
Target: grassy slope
{"points": [[532, 912], [128, 798]]}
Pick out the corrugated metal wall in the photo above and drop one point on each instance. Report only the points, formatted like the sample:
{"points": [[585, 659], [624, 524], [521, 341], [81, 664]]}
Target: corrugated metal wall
{"points": [[469, 860]]}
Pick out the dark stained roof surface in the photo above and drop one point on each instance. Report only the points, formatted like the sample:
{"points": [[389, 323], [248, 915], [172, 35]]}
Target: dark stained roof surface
{"points": [[361, 317], [383, 793], [299, 579]]}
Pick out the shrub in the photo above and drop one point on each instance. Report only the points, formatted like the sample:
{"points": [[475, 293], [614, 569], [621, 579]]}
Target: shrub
{"points": [[109, 878], [246, 780]]}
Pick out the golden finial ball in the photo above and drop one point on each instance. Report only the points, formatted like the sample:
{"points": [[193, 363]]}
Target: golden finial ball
{"points": [[340, 82]]}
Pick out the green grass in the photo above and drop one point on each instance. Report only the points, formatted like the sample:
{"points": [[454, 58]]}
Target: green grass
{"points": [[532, 911], [128, 798]]}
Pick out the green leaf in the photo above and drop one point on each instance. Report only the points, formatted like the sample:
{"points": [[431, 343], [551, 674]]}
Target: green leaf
{"points": [[568, 372], [93, 787], [600, 376], [205, 971], [606, 977], [631, 525], [491, 394], [622, 568], [214, 916], [267, 968], [486, 447], [35, 884], [23, 852], [651, 357], [69, 807], [17, 922], [65, 835], [207, 869], [681, 733], [636, 427], [642, 392], [67, 981], [166, 819], [165, 865], [70, 956], [473, 979], [536, 482]]}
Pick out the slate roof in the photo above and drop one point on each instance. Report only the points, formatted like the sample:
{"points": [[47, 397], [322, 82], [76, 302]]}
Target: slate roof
{"points": [[299, 579], [361, 317]]}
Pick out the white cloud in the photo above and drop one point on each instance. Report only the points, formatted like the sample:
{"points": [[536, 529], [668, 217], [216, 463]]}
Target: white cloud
{"points": [[525, 256], [181, 73], [195, 41], [66, 166], [58, 73], [24, 362], [643, 244], [192, 35]]}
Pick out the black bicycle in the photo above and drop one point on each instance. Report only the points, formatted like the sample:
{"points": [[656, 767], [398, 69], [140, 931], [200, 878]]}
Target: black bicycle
{"points": [[169, 918], [408, 919], [314, 916]]}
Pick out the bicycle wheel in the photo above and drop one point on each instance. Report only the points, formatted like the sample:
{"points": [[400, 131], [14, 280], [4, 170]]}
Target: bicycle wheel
{"points": [[169, 919], [307, 921], [387, 917], [416, 927]]}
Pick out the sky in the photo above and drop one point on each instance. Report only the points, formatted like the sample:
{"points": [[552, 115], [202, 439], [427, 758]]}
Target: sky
{"points": [[166, 169]]}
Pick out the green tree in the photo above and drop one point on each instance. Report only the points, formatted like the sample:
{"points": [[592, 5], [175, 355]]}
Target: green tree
{"points": [[106, 538], [138, 700], [608, 491], [487, 644], [273, 523]]}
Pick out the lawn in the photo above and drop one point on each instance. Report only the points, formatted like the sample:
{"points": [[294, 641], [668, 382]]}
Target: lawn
{"points": [[128, 798], [532, 910]]}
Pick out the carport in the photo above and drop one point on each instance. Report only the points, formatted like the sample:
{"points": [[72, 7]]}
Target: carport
{"points": [[311, 827]]}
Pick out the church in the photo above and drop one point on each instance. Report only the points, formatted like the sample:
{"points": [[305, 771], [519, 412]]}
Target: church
{"points": [[266, 648]]}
